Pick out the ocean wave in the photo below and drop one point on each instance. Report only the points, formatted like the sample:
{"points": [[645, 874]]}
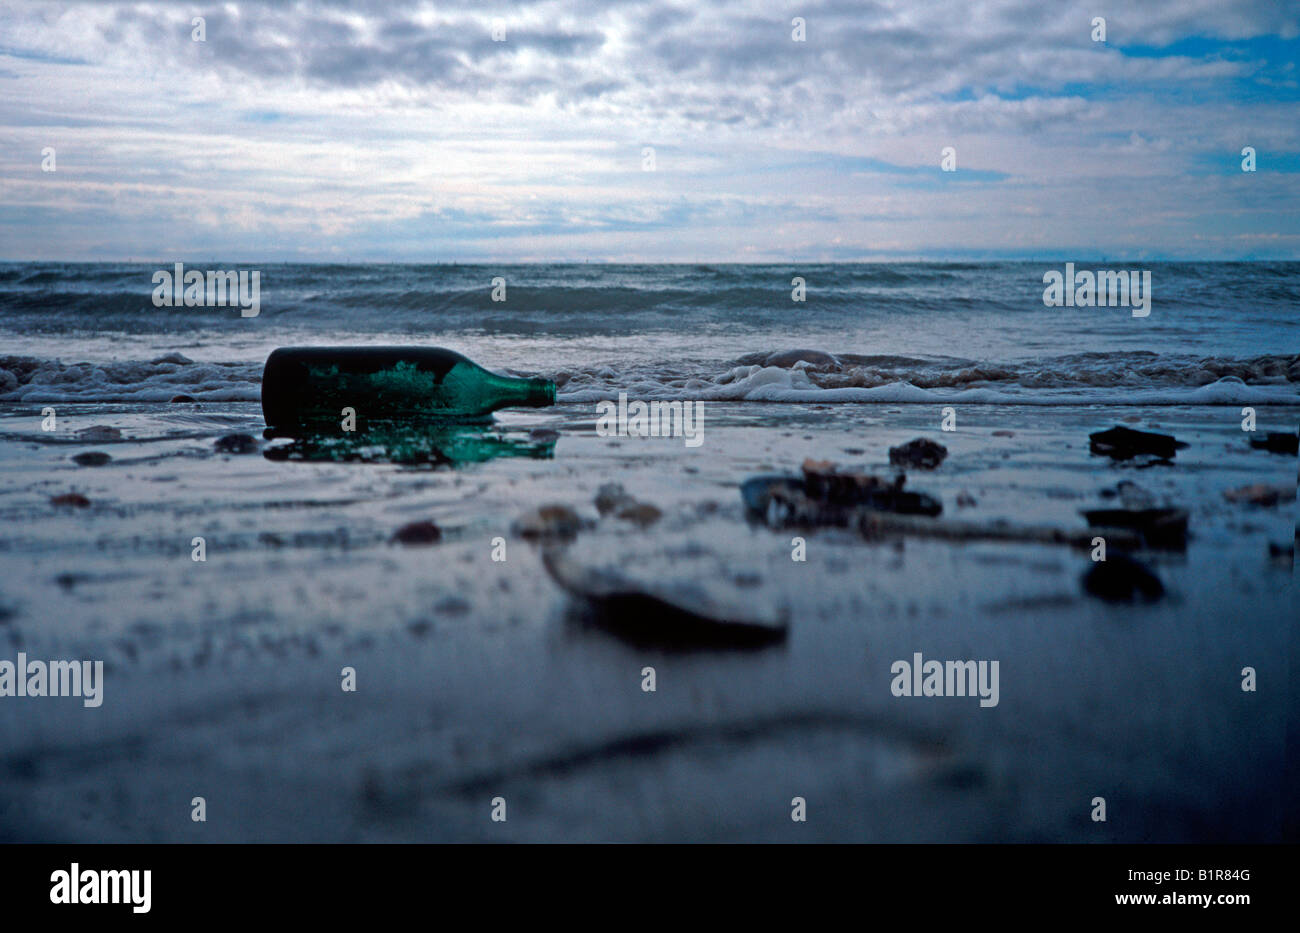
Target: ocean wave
{"points": [[795, 375], [776, 384], [25, 379], [1192, 301]]}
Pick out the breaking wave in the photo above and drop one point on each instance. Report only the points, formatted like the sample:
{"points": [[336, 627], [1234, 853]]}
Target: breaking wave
{"points": [[797, 376]]}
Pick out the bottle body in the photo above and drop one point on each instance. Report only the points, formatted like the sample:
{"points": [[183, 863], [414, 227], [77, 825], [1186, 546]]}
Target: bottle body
{"points": [[313, 385]]}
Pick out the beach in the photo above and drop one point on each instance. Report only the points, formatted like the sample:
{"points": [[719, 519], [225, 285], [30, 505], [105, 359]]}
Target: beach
{"points": [[478, 677]]}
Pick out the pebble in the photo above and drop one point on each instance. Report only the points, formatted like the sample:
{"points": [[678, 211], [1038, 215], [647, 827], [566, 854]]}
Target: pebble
{"points": [[1277, 443], [640, 513], [922, 454], [549, 521], [416, 533], [91, 458], [1265, 494], [236, 444], [1121, 443], [611, 496]]}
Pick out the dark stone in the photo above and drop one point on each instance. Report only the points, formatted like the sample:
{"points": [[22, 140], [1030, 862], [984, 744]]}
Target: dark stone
{"points": [[91, 458], [1277, 443], [183, 398], [1160, 528], [921, 454], [236, 444], [612, 496], [75, 499], [418, 533], [1120, 578], [1121, 443]]}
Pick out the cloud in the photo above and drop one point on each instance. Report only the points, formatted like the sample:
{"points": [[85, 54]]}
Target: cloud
{"points": [[310, 128]]}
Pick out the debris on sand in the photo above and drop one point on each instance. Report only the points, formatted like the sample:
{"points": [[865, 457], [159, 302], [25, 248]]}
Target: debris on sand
{"points": [[1158, 528], [756, 492], [1120, 578], [75, 499], [921, 454], [418, 533], [611, 496], [1277, 443], [827, 496], [642, 514], [1121, 443], [1004, 433], [965, 500], [613, 499], [91, 458], [183, 398], [873, 525], [1262, 494], [1130, 495], [824, 482], [549, 522], [543, 435], [1282, 553], [453, 606], [99, 432], [236, 444], [673, 612]]}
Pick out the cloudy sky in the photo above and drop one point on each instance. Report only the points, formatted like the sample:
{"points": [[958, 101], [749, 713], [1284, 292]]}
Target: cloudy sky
{"points": [[374, 130]]}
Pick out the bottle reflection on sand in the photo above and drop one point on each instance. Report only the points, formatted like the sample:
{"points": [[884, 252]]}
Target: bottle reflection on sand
{"points": [[432, 445]]}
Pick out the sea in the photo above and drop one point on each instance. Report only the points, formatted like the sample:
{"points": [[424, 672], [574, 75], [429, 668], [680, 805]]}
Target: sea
{"points": [[1215, 333]]}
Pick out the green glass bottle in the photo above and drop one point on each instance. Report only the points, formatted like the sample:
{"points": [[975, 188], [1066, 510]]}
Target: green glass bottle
{"points": [[304, 386]]}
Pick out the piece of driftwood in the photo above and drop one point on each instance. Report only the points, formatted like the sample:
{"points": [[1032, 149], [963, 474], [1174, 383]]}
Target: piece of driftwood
{"points": [[874, 524]]}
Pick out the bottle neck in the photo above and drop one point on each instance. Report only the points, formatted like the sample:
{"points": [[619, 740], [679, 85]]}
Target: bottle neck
{"points": [[529, 393]]}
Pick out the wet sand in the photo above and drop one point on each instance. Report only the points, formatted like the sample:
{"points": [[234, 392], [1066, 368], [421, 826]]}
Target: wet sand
{"points": [[480, 678]]}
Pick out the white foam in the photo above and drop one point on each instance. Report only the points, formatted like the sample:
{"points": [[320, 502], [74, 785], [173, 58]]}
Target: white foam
{"points": [[774, 384]]}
